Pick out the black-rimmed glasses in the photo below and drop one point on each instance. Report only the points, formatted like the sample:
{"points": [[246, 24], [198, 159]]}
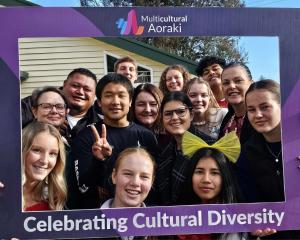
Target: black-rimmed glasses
{"points": [[47, 107], [180, 112]]}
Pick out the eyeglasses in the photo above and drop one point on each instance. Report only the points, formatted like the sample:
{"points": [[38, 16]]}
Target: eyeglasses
{"points": [[180, 112], [47, 107]]}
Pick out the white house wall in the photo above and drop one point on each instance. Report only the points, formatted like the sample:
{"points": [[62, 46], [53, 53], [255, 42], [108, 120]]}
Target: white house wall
{"points": [[49, 60]]}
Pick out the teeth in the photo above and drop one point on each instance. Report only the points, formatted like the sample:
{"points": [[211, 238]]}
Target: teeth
{"points": [[135, 192], [233, 94]]}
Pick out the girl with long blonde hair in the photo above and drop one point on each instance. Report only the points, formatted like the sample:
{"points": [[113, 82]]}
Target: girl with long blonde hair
{"points": [[43, 163]]}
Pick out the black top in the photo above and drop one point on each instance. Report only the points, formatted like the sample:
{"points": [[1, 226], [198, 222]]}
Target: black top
{"points": [[94, 175]]}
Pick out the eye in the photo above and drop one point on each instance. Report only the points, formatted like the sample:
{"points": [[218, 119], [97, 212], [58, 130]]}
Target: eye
{"points": [[205, 72], [198, 171], [53, 154], [36, 150], [145, 176], [215, 173], [266, 107], [87, 90], [251, 110], [153, 104], [225, 83]]}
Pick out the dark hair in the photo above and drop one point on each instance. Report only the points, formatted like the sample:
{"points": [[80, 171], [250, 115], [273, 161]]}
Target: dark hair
{"points": [[176, 96], [115, 79], [238, 64], [208, 61], [229, 192], [124, 59], [158, 96], [83, 71], [268, 85], [38, 93], [163, 77]]}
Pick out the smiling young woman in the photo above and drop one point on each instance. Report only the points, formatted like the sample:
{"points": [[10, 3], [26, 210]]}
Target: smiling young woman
{"points": [[43, 154], [236, 79], [132, 176], [177, 115], [208, 115]]}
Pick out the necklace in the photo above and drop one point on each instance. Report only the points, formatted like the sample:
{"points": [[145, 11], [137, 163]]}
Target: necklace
{"points": [[235, 124], [272, 153]]}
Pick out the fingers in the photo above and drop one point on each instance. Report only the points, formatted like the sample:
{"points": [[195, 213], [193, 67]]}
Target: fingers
{"points": [[103, 132], [263, 232], [95, 133]]}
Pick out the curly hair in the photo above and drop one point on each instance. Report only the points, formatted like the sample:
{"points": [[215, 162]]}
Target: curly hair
{"points": [[53, 188], [163, 78]]}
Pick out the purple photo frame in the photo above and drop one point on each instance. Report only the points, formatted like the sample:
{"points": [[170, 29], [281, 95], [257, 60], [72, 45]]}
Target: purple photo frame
{"points": [[100, 22]]}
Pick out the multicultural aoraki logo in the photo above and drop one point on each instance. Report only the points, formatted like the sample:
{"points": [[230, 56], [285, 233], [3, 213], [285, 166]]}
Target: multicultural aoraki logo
{"points": [[130, 24]]}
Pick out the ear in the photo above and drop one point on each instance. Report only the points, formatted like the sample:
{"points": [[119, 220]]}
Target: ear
{"points": [[113, 176], [65, 82], [67, 111], [99, 102], [34, 111]]}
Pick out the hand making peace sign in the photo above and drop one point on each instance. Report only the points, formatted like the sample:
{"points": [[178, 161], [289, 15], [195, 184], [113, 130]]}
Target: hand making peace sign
{"points": [[101, 149]]}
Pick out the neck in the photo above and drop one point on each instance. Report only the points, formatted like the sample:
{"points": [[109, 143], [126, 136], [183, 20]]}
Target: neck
{"points": [[178, 140], [199, 116], [76, 113], [274, 135], [239, 110], [116, 123], [27, 193], [218, 93]]}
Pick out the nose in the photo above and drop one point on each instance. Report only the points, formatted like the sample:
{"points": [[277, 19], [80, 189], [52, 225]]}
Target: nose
{"points": [[53, 110], [258, 114], [44, 158], [135, 180], [206, 177], [174, 115], [199, 98], [80, 90], [147, 108], [210, 72], [116, 100]]}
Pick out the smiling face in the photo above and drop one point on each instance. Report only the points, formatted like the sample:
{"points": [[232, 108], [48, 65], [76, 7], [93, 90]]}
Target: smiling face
{"points": [[235, 83], [133, 180], [199, 96], [128, 70], [176, 118], [207, 180], [174, 80], [212, 74], [41, 157], [55, 115], [115, 103], [79, 91], [263, 111], [146, 109]]}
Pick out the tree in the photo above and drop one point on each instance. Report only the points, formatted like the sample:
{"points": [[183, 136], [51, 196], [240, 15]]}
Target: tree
{"points": [[193, 48]]}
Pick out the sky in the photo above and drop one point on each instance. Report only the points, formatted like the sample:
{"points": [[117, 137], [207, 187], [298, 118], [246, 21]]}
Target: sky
{"points": [[263, 52]]}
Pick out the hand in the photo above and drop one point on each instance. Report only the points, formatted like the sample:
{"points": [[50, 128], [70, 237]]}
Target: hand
{"points": [[263, 232], [101, 149], [1, 185]]}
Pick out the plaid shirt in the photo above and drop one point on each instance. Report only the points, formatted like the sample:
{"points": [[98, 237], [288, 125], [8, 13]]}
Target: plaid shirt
{"points": [[172, 170]]}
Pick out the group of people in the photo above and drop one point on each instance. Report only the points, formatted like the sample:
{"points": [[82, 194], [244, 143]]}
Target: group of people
{"points": [[152, 145]]}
